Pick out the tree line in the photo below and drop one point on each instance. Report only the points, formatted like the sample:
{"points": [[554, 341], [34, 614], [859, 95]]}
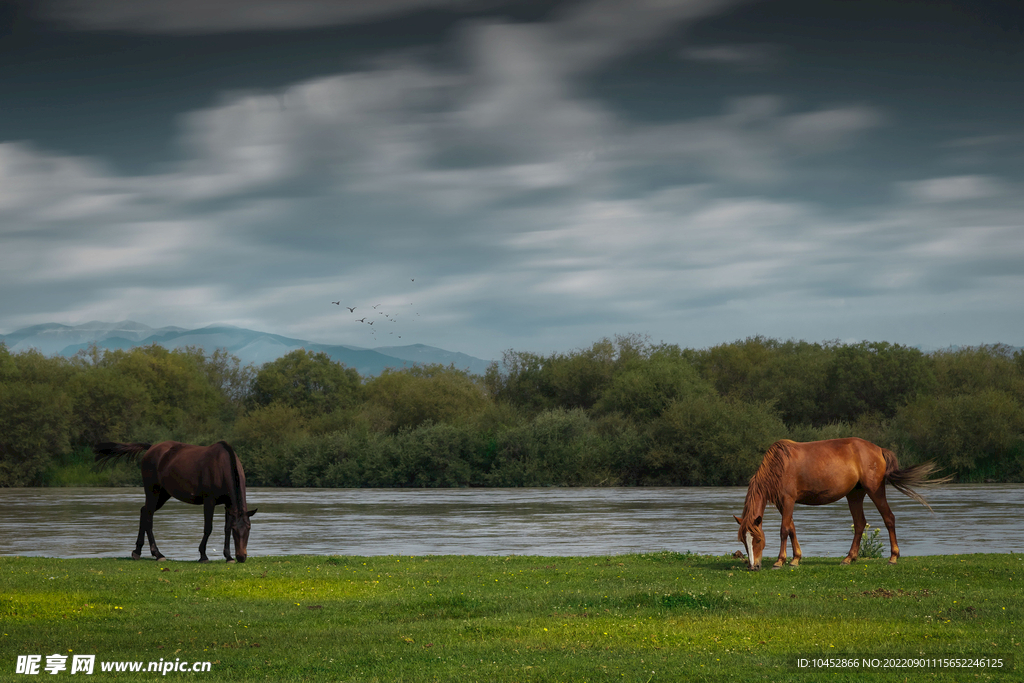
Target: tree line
{"points": [[622, 412]]}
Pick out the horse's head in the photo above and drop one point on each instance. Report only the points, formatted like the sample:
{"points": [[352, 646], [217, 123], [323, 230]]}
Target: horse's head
{"points": [[752, 538], [240, 526]]}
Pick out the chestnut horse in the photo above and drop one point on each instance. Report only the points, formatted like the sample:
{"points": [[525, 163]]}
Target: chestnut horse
{"points": [[822, 472], [201, 475]]}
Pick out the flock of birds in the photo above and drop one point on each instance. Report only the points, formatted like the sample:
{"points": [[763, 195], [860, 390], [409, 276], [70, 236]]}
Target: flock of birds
{"points": [[370, 320]]}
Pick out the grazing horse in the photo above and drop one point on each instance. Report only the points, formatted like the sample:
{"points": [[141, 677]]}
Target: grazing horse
{"points": [[201, 475], [822, 472]]}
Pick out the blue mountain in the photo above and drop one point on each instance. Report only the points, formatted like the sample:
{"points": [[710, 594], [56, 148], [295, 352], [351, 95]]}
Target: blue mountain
{"points": [[249, 346]]}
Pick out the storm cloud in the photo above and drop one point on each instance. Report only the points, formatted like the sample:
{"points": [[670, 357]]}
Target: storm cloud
{"points": [[531, 182]]}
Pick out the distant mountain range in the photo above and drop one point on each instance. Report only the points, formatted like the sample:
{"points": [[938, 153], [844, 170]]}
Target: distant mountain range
{"points": [[249, 345]]}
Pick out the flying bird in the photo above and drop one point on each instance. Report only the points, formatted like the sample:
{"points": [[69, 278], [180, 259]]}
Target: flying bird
{"points": [[351, 309], [337, 303], [362, 320]]}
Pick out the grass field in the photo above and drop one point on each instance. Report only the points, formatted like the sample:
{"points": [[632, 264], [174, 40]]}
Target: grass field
{"points": [[653, 617]]}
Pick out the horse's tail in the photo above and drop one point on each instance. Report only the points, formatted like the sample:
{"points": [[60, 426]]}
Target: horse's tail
{"points": [[108, 452], [916, 475]]}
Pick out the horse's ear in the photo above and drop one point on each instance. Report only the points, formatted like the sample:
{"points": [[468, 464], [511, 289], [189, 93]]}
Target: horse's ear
{"points": [[738, 520], [252, 512], [757, 522]]}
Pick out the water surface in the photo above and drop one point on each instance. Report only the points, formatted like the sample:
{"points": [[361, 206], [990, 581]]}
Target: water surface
{"points": [[103, 522]]}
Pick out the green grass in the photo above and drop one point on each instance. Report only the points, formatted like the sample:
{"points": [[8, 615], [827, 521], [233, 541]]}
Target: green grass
{"points": [[652, 617]]}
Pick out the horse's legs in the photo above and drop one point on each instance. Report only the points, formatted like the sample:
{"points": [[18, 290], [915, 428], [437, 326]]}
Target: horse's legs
{"points": [[855, 499], [878, 498], [154, 501], [228, 523], [153, 550], [788, 532], [208, 504], [145, 522], [797, 554]]}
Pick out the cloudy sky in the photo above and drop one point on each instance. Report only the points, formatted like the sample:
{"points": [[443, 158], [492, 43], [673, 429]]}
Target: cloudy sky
{"points": [[533, 175]]}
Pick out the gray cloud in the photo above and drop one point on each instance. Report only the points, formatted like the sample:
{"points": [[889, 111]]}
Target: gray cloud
{"points": [[590, 33], [951, 189], [754, 140], [753, 56], [225, 16], [505, 203]]}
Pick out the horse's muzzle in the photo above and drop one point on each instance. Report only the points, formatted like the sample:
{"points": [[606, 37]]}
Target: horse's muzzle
{"points": [[241, 558]]}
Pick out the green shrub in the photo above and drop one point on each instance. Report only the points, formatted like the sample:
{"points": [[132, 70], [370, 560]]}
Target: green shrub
{"points": [[78, 468], [552, 450], [35, 415], [873, 377], [976, 435], [710, 441], [405, 399], [311, 383], [647, 386]]}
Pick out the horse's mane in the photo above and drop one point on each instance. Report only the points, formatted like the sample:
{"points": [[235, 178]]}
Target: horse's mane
{"points": [[236, 480], [765, 483]]}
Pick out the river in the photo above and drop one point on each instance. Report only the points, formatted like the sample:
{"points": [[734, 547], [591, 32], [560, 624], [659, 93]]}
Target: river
{"points": [[103, 522]]}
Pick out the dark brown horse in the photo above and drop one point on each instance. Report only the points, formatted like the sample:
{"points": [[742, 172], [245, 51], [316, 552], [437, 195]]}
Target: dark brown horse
{"points": [[201, 475], [822, 472]]}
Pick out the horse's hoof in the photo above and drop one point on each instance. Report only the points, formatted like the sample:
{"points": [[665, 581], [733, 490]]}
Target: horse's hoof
{"points": [[161, 559], [136, 556], [230, 561], [204, 560]]}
